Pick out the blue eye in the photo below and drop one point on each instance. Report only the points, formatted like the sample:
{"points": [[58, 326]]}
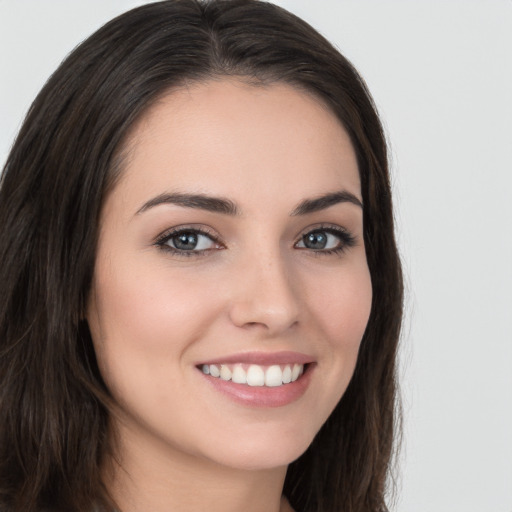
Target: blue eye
{"points": [[326, 240], [187, 242], [190, 241]]}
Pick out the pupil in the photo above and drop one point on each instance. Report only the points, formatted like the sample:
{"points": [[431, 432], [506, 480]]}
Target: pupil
{"points": [[315, 240], [185, 241]]}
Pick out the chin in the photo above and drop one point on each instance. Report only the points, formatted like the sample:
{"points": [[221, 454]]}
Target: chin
{"points": [[261, 453]]}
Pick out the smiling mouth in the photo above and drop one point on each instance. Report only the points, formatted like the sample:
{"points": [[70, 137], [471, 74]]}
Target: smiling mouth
{"points": [[255, 375]]}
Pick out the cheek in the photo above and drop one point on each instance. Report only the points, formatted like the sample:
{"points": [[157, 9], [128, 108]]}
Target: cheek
{"points": [[143, 318], [343, 307], [342, 312]]}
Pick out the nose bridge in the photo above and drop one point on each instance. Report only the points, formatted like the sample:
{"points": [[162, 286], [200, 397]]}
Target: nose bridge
{"points": [[265, 293]]}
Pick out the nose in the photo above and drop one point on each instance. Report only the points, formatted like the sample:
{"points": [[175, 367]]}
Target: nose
{"points": [[265, 296]]}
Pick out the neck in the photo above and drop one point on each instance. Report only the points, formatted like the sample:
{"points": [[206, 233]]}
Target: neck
{"points": [[146, 476]]}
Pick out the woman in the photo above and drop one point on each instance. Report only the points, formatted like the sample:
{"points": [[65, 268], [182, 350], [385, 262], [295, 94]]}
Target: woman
{"points": [[202, 289]]}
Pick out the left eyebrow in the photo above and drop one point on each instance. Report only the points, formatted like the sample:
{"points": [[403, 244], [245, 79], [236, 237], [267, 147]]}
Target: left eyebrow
{"points": [[325, 201]]}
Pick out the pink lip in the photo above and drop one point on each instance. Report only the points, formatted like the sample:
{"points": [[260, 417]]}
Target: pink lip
{"points": [[262, 358], [263, 396]]}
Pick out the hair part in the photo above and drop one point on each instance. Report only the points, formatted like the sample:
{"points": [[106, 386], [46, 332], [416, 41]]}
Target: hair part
{"points": [[54, 434]]}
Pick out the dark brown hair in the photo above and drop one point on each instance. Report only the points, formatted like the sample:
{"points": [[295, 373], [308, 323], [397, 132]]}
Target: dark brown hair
{"points": [[54, 405]]}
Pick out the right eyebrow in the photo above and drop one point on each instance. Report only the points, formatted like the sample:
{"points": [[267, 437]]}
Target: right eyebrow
{"points": [[199, 201]]}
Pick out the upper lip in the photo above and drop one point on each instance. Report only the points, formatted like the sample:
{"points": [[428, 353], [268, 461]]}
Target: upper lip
{"points": [[263, 358]]}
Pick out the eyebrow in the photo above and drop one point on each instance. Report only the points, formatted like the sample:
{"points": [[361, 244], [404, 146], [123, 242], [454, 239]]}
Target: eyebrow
{"points": [[228, 207], [199, 201], [325, 201]]}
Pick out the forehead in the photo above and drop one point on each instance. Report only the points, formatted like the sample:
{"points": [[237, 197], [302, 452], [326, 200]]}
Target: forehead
{"points": [[234, 139]]}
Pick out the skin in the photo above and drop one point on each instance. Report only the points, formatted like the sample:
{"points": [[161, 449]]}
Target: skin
{"points": [[154, 314]]}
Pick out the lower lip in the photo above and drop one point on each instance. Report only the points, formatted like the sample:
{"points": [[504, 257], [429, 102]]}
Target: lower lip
{"points": [[263, 396]]}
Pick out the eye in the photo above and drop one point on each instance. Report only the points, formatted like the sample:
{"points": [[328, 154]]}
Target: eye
{"points": [[187, 241], [327, 240]]}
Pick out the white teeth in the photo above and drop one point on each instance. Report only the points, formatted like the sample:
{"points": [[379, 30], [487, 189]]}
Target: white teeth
{"points": [[239, 376], [287, 374], [295, 372], [256, 375], [273, 376], [225, 372]]}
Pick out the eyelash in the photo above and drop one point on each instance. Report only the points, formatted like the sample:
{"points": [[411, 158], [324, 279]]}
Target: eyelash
{"points": [[347, 240], [164, 238]]}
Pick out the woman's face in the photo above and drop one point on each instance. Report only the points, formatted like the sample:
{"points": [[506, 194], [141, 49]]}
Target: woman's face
{"points": [[232, 244]]}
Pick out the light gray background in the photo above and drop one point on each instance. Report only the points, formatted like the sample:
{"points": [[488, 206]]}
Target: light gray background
{"points": [[441, 74]]}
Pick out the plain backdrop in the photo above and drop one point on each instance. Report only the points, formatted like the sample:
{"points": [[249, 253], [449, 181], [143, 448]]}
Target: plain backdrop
{"points": [[441, 75]]}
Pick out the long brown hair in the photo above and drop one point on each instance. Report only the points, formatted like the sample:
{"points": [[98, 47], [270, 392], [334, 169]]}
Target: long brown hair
{"points": [[54, 405]]}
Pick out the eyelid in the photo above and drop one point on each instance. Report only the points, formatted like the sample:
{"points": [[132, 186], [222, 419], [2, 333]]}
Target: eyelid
{"points": [[347, 238], [200, 229], [323, 226]]}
